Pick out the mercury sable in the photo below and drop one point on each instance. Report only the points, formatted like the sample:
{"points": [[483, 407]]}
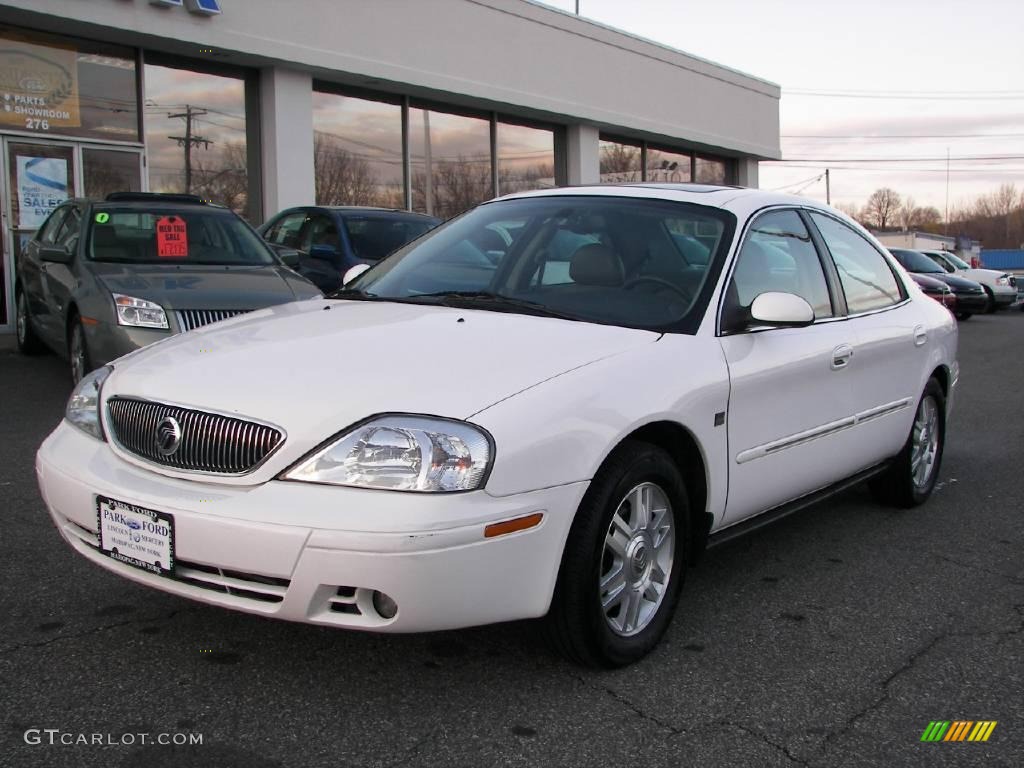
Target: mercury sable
{"points": [[556, 427]]}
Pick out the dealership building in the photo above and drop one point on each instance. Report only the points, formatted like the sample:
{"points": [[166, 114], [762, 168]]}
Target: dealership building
{"points": [[430, 106]]}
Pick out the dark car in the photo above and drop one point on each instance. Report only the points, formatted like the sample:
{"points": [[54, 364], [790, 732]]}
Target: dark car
{"points": [[935, 289], [333, 239], [970, 296], [101, 279]]}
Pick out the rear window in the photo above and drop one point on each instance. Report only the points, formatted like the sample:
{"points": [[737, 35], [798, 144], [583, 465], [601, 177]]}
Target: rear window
{"points": [[373, 238], [174, 236]]}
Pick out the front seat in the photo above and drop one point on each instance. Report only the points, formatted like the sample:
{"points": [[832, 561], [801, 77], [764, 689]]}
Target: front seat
{"points": [[597, 264]]}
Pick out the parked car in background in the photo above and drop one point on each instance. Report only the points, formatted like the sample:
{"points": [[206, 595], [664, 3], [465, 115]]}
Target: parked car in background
{"points": [[971, 298], [556, 426], [935, 289], [333, 239], [1001, 287], [101, 279]]}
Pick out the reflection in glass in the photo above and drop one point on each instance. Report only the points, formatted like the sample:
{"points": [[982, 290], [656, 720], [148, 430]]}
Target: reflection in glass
{"points": [[711, 171], [357, 151], [526, 158], [61, 86], [195, 135], [105, 171], [619, 162], [666, 166], [451, 162]]}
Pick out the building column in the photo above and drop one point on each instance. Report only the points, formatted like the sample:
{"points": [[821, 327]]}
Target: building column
{"points": [[746, 172], [286, 137], [582, 155]]}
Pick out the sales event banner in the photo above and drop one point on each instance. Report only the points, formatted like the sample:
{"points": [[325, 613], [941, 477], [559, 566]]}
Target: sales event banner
{"points": [[38, 86], [42, 186]]}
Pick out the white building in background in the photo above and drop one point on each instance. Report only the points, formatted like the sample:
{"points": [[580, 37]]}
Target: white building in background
{"points": [[431, 106]]}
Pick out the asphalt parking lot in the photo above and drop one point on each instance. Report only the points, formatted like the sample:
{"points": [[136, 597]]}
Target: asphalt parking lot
{"points": [[829, 639]]}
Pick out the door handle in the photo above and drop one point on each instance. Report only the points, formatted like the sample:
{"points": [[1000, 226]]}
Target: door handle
{"points": [[920, 335], [841, 356]]}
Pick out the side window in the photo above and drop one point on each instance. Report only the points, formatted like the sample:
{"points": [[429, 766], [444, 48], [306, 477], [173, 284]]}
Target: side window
{"points": [[778, 255], [287, 229], [321, 231], [868, 281], [48, 232], [67, 235]]}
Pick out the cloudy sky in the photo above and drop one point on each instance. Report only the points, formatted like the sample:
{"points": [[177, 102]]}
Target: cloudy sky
{"points": [[864, 84]]}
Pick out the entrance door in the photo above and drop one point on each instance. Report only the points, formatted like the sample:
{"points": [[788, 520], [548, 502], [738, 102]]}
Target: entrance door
{"points": [[38, 177]]}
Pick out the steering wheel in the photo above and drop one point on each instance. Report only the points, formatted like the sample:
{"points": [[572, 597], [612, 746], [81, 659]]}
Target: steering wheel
{"points": [[686, 295]]}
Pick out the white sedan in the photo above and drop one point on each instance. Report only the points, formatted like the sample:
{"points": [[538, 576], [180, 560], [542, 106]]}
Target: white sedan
{"points": [[1001, 287], [556, 428]]}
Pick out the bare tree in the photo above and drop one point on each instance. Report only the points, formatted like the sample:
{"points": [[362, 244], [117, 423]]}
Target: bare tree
{"points": [[622, 160], [850, 209], [342, 178], [882, 208], [222, 176]]}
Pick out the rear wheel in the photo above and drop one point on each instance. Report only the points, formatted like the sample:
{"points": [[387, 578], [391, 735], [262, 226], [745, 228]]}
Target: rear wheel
{"points": [[78, 352], [624, 560], [28, 342], [911, 478]]}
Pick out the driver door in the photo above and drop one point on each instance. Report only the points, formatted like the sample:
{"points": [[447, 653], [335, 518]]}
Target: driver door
{"points": [[790, 395]]}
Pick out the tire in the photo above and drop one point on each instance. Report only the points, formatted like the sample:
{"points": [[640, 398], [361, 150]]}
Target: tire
{"points": [[28, 342], [990, 301], [78, 352], [598, 549], [898, 486], [963, 315]]}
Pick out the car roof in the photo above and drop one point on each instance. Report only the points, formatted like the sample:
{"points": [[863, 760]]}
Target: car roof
{"points": [[360, 209]]}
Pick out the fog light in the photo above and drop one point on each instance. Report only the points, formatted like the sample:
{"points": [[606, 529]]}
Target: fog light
{"points": [[384, 605]]}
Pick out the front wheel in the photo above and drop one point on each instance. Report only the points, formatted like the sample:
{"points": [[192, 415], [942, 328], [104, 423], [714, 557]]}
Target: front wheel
{"points": [[624, 560], [28, 342], [78, 352], [963, 315], [911, 479], [990, 301]]}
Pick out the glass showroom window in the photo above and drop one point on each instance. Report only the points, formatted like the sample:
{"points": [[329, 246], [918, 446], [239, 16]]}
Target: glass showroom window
{"points": [[357, 151], [667, 166], [195, 135], [620, 161], [711, 171], [56, 86], [451, 162], [526, 158]]}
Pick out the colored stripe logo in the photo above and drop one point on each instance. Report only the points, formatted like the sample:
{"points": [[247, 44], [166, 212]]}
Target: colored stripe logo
{"points": [[958, 730]]}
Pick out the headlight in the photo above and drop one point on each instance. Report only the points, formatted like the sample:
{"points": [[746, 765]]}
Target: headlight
{"points": [[1004, 280], [139, 312], [402, 453], [83, 408]]}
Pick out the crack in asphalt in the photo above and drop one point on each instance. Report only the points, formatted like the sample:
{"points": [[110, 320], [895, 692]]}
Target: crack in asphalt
{"points": [[763, 737], [974, 567], [12, 649], [632, 706], [416, 748], [911, 662]]}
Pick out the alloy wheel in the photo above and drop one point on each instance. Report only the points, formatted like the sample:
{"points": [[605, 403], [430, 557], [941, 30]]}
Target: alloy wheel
{"points": [[22, 319], [925, 445], [77, 354], [636, 561]]}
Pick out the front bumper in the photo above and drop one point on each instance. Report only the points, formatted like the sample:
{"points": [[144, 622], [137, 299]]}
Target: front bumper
{"points": [[316, 554], [971, 302], [108, 341], [1004, 296]]}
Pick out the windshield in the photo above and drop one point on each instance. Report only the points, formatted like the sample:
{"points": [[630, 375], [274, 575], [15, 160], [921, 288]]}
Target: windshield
{"points": [[615, 260], [374, 237], [174, 236], [955, 260], [912, 261]]}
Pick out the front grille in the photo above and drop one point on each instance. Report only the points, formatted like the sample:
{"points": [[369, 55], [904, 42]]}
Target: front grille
{"points": [[253, 586], [197, 318], [208, 442], [1013, 281]]}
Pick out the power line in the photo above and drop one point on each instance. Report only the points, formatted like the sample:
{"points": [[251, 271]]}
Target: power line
{"points": [[904, 136], [961, 158]]}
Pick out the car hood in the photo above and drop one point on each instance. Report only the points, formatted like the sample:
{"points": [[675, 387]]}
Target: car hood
{"points": [[185, 286], [316, 367], [927, 282], [958, 284]]}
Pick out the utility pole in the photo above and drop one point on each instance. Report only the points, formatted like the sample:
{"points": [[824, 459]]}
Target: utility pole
{"points": [[828, 189], [945, 227], [577, 7], [188, 140]]}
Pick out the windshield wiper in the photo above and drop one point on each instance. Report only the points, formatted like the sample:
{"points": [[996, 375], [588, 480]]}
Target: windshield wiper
{"points": [[497, 302]]}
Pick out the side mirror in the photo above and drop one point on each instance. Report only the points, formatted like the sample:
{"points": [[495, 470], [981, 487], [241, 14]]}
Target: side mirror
{"points": [[290, 257], [782, 310], [323, 252], [56, 253], [354, 272]]}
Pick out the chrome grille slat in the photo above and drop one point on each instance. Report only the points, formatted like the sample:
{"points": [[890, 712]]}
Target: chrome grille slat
{"points": [[210, 442], [190, 319]]}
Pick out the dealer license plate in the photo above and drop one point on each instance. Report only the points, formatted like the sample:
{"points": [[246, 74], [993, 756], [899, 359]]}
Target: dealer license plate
{"points": [[140, 537]]}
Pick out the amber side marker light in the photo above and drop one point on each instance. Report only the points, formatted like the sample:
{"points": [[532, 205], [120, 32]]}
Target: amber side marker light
{"points": [[511, 526]]}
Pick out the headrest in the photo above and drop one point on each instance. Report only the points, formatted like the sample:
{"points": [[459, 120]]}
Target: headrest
{"points": [[596, 264]]}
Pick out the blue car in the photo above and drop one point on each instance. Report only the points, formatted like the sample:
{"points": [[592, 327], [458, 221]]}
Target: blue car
{"points": [[329, 240]]}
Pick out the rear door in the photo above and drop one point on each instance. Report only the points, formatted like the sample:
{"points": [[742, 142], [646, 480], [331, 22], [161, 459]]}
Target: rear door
{"points": [[891, 343], [31, 272], [59, 280], [790, 396]]}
